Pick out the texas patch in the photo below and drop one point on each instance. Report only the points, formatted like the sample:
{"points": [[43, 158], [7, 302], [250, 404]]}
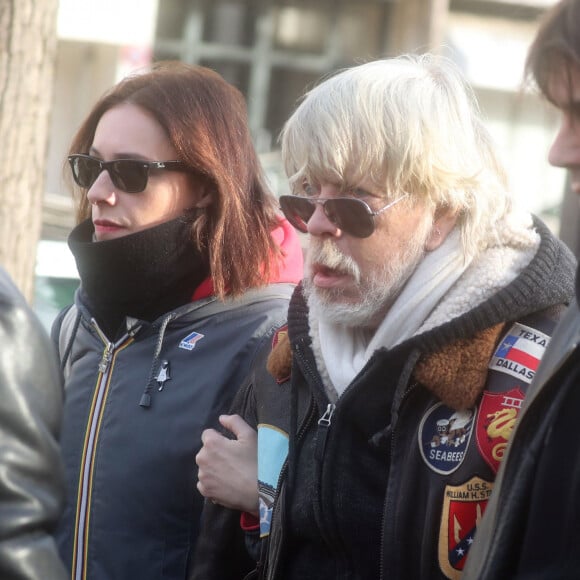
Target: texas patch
{"points": [[444, 435], [463, 508], [495, 422], [519, 352]]}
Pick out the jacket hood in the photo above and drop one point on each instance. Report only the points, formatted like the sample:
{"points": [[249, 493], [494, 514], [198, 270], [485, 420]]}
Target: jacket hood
{"points": [[290, 266], [547, 280]]}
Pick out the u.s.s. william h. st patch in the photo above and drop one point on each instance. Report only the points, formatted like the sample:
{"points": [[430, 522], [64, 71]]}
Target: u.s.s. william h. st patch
{"points": [[463, 508], [519, 352]]}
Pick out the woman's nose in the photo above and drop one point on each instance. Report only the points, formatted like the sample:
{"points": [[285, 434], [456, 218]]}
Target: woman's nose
{"points": [[102, 190]]}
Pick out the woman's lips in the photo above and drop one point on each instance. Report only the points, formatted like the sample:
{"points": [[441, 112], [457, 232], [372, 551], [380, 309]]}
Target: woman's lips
{"points": [[106, 227]]}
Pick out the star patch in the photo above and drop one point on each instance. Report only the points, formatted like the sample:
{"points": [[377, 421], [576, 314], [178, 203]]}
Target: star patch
{"points": [[463, 508]]}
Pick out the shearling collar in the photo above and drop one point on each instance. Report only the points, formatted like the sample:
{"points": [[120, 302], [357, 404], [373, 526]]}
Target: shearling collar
{"points": [[459, 344], [463, 362], [457, 373]]}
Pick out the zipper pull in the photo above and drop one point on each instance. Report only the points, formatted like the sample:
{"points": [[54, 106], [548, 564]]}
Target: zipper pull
{"points": [[107, 358], [322, 433], [163, 375]]}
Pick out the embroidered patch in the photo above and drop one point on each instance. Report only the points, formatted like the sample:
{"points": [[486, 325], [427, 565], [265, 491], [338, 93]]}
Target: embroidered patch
{"points": [[279, 363], [188, 343], [495, 422], [463, 507], [520, 351], [281, 334], [444, 435], [272, 453]]}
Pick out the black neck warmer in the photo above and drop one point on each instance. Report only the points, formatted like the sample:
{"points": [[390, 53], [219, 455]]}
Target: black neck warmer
{"points": [[142, 275]]}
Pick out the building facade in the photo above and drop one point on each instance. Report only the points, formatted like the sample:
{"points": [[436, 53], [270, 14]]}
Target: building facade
{"points": [[273, 50]]}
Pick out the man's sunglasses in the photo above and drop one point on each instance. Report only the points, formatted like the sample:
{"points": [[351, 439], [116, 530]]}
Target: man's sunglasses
{"points": [[353, 216], [129, 175]]}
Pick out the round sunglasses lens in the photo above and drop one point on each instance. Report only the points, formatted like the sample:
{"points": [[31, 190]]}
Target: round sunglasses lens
{"points": [[351, 216], [298, 210], [130, 176]]}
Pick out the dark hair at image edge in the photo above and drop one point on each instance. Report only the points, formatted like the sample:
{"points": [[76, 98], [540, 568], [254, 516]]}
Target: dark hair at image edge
{"points": [[205, 119], [556, 46]]}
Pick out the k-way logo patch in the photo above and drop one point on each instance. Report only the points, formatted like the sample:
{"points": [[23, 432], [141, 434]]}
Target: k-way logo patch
{"points": [[496, 419], [444, 435], [189, 342], [463, 507], [520, 351]]}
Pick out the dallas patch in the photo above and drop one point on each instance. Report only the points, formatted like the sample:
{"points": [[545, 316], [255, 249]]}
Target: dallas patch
{"points": [[495, 422], [463, 507], [444, 435], [188, 343], [520, 351]]}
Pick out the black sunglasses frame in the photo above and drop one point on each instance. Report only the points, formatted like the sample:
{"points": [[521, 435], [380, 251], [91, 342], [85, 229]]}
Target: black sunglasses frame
{"points": [[136, 183], [355, 218]]}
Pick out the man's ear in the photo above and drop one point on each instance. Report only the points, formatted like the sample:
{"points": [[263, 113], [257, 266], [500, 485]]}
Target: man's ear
{"points": [[443, 222]]}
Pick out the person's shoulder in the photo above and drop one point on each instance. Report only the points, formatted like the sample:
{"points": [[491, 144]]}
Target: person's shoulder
{"points": [[9, 292], [15, 312]]}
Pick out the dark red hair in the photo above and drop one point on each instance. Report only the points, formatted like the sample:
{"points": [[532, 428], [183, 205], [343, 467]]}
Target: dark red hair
{"points": [[205, 119]]}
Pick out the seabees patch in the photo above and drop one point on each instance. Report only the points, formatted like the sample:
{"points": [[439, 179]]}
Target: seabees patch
{"points": [[496, 419], [444, 435], [519, 352], [463, 507]]}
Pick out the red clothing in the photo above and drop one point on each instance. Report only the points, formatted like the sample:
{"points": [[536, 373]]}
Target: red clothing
{"points": [[291, 265]]}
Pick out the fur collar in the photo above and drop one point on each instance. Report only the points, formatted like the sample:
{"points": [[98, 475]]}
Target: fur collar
{"points": [[460, 364]]}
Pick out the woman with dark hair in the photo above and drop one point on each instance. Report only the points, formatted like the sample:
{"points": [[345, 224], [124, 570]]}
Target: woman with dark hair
{"points": [[186, 268]]}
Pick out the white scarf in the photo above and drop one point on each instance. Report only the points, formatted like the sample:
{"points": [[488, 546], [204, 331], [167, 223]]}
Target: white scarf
{"points": [[432, 295]]}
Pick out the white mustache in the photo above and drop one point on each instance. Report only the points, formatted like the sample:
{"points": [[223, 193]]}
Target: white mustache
{"points": [[325, 253]]}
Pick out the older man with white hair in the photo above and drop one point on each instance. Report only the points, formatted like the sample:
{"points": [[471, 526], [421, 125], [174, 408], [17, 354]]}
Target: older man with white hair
{"points": [[385, 405]]}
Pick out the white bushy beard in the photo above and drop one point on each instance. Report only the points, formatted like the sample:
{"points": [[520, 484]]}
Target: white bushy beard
{"points": [[377, 290]]}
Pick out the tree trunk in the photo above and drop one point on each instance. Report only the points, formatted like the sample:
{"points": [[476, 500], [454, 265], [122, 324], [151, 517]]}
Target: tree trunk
{"points": [[27, 58]]}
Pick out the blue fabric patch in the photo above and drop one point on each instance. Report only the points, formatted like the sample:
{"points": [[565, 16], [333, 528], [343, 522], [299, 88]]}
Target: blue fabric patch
{"points": [[272, 454]]}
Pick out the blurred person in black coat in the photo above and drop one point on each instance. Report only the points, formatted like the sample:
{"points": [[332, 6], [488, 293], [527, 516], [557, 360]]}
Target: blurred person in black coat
{"points": [[531, 528], [31, 483]]}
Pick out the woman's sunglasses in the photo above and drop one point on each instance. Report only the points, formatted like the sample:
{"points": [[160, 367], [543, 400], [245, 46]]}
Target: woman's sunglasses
{"points": [[353, 216], [129, 175]]}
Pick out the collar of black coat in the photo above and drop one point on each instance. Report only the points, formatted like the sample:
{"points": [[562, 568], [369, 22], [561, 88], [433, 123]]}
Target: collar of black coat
{"points": [[463, 362], [142, 275]]}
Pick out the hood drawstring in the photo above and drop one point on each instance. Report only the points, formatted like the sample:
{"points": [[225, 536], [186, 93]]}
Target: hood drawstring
{"points": [[146, 396]]}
